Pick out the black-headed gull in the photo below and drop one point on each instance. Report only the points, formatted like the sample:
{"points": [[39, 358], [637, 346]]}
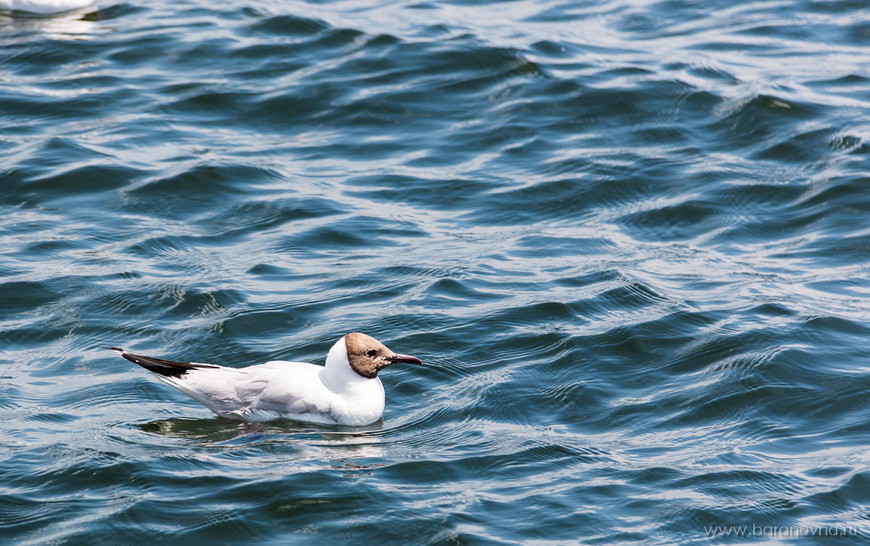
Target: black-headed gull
{"points": [[346, 391]]}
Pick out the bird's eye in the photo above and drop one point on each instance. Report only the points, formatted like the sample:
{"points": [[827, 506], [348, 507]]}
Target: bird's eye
{"points": [[371, 352]]}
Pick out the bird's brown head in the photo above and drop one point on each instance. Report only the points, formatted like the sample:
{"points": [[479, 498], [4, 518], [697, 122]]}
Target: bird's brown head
{"points": [[367, 356]]}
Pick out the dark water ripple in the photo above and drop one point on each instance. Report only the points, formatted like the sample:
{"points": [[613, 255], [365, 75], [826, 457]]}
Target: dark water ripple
{"points": [[628, 239]]}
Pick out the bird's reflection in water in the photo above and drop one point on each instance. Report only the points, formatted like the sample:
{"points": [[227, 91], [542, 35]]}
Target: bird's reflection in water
{"points": [[219, 430], [343, 447], [62, 27]]}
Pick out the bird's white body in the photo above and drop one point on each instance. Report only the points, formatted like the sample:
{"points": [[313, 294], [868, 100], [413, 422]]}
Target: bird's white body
{"points": [[44, 7], [333, 394]]}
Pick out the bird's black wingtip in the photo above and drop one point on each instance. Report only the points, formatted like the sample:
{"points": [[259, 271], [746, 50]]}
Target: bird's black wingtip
{"points": [[168, 368]]}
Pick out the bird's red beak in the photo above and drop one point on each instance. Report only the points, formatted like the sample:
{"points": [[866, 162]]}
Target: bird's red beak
{"points": [[403, 359]]}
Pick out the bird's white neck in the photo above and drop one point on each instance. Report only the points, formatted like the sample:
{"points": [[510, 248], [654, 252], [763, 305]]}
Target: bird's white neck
{"points": [[337, 374]]}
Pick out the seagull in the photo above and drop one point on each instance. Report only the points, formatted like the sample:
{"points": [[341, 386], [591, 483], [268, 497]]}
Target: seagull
{"points": [[44, 7], [346, 391]]}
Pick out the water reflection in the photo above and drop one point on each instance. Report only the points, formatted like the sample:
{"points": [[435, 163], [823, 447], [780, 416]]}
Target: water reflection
{"points": [[79, 24], [344, 447], [222, 430]]}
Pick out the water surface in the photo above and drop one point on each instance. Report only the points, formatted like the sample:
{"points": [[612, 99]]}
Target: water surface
{"points": [[630, 240]]}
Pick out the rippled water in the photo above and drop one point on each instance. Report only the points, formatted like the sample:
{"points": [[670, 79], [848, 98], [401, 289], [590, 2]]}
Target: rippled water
{"points": [[629, 239]]}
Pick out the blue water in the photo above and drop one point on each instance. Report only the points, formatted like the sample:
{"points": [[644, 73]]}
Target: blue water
{"points": [[630, 241]]}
